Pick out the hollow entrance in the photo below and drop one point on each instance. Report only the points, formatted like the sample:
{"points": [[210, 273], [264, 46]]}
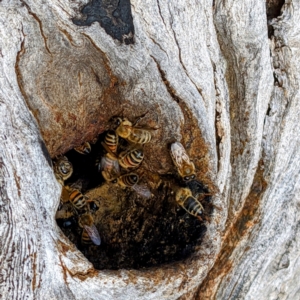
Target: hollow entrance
{"points": [[273, 9], [136, 232]]}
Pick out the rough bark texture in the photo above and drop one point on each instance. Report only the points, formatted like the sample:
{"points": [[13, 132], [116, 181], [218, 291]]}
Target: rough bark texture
{"points": [[217, 75]]}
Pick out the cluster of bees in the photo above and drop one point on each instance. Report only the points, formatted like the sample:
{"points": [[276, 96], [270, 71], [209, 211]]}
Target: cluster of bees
{"points": [[63, 170], [117, 166], [186, 171]]}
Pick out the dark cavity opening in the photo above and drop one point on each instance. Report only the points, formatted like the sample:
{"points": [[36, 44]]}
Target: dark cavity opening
{"points": [[273, 8], [135, 232], [113, 15]]}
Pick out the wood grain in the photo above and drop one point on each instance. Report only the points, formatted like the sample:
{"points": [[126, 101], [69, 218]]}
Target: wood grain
{"points": [[208, 74]]}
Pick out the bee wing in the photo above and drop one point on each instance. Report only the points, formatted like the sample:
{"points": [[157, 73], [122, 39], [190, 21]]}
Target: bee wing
{"points": [[145, 128], [109, 151], [84, 148], [110, 165], [93, 234], [98, 166], [179, 154], [142, 191]]}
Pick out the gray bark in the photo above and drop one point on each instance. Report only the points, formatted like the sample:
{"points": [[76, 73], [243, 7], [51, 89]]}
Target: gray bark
{"points": [[209, 76]]}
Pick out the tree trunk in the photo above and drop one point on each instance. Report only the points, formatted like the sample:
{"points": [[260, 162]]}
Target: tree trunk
{"points": [[220, 76]]}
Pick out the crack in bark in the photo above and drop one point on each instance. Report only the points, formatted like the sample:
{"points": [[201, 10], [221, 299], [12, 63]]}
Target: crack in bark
{"points": [[191, 134], [17, 181], [20, 82], [245, 221], [184, 68], [34, 277], [18, 72], [90, 273], [158, 45], [166, 82], [40, 25], [65, 270], [217, 119], [67, 35], [61, 7], [96, 76], [106, 65], [159, 10], [218, 138]]}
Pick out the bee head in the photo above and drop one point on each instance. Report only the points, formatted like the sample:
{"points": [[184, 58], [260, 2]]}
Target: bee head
{"points": [[119, 121], [188, 178], [139, 153], [124, 129], [93, 206], [134, 178], [111, 132], [115, 122], [68, 222], [126, 122], [65, 167]]}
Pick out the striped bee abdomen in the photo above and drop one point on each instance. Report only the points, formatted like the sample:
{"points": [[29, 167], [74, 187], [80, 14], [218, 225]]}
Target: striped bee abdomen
{"points": [[111, 140], [89, 231], [131, 159], [193, 206], [128, 180], [77, 199], [185, 199], [139, 136], [85, 238]]}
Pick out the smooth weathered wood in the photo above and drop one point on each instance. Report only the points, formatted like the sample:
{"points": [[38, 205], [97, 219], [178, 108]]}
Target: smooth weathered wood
{"points": [[204, 73]]}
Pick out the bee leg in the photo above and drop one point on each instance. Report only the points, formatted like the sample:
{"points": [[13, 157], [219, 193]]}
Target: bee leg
{"points": [[200, 219], [75, 211]]}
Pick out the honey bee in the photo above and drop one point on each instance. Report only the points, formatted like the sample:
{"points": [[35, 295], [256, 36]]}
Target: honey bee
{"points": [[65, 217], [89, 230], [63, 168], [185, 167], [59, 178], [111, 140], [142, 191], [197, 188], [130, 180], [110, 168], [186, 200], [76, 198], [84, 148], [94, 140], [65, 212], [131, 158], [131, 133]]}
